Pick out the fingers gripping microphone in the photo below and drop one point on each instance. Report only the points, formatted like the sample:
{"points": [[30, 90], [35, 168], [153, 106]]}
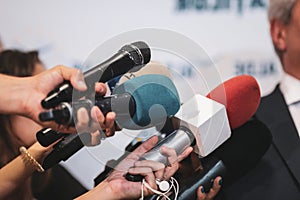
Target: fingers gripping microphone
{"points": [[129, 56], [65, 112]]}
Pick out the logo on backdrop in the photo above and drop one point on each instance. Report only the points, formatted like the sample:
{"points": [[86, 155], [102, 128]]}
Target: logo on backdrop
{"points": [[262, 68], [263, 65], [258, 68], [239, 6]]}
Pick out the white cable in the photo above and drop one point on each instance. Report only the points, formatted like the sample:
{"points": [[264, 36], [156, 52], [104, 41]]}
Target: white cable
{"points": [[142, 189], [176, 189], [173, 186]]}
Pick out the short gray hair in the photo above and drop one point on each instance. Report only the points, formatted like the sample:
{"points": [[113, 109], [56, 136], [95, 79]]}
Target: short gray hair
{"points": [[280, 10]]}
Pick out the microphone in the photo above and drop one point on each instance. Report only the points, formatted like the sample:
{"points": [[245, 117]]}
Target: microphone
{"points": [[65, 148], [47, 136], [234, 158], [198, 118], [241, 98], [153, 67], [140, 102], [155, 98], [129, 56]]}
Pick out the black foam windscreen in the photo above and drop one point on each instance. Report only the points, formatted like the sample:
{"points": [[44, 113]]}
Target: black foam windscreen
{"points": [[246, 146]]}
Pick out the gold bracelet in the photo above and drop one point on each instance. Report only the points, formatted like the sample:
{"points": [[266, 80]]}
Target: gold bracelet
{"points": [[30, 160]]}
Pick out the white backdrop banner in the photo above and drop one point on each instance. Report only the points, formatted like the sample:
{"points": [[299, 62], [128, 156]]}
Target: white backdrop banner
{"points": [[203, 42]]}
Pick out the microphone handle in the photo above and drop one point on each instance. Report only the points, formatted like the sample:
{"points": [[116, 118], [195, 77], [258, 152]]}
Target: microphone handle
{"points": [[63, 93], [179, 140], [67, 147], [47, 136], [212, 168], [117, 65], [122, 104]]}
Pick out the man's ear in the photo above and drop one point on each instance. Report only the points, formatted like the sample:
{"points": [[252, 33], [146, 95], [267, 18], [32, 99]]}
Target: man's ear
{"points": [[278, 34]]}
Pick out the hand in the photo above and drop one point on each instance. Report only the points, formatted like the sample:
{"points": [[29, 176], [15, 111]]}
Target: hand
{"points": [[100, 123], [37, 88], [117, 187], [212, 192], [153, 170]]}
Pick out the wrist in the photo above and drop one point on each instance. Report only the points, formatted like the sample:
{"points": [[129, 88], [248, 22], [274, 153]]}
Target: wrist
{"points": [[33, 156], [21, 91], [102, 190], [39, 152], [26, 93], [13, 90]]}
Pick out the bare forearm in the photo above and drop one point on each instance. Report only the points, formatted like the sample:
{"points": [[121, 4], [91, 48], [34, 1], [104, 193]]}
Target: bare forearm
{"points": [[24, 95], [12, 95], [17, 171], [12, 175], [101, 191]]}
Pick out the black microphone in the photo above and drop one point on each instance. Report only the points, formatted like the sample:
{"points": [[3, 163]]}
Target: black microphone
{"points": [[129, 56], [47, 136], [65, 148], [65, 112], [234, 158]]}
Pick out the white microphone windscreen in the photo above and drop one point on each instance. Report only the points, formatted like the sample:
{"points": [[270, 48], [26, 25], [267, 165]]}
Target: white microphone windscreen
{"points": [[150, 68], [207, 120]]}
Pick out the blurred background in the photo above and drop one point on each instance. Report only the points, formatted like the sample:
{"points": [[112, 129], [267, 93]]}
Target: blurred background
{"points": [[233, 34]]}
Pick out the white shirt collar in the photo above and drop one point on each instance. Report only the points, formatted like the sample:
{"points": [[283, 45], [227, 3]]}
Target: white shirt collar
{"points": [[290, 88]]}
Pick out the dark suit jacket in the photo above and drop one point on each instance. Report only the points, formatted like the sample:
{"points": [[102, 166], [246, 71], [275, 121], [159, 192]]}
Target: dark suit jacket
{"points": [[277, 175]]}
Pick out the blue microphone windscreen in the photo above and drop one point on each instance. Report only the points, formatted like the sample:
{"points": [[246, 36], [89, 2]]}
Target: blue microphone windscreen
{"points": [[155, 96]]}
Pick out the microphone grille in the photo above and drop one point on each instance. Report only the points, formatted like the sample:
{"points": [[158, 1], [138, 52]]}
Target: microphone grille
{"points": [[138, 51]]}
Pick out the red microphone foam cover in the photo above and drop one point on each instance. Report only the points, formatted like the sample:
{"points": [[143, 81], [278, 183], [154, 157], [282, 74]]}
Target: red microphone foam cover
{"points": [[241, 97]]}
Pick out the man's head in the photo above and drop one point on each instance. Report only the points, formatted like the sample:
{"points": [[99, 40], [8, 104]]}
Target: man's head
{"points": [[284, 17]]}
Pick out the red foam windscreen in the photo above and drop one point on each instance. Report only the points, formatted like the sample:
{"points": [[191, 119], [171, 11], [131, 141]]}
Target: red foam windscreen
{"points": [[241, 97]]}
